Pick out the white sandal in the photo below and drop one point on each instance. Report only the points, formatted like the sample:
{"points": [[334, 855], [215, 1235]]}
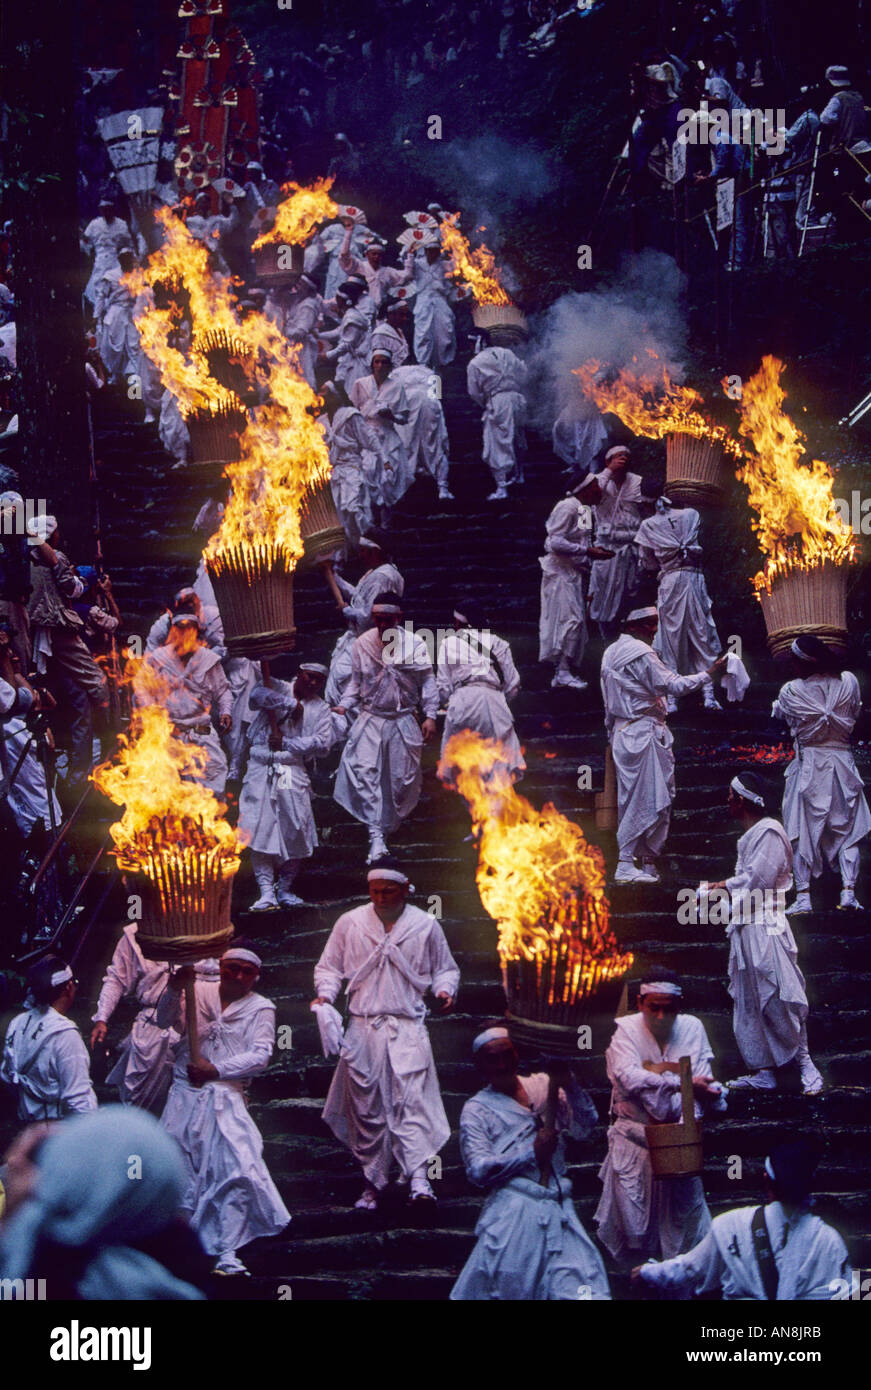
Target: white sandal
{"points": [[368, 1199]]}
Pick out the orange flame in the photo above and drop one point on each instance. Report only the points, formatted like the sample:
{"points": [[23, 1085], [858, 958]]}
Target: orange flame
{"points": [[300, 212], [149, 776], [649, 402], [476, 268], [537, 876], [282, 451], [796, 522]]}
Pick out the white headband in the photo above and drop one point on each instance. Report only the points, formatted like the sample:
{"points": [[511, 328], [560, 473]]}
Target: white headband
{"points": [[386, 608], [60, 977], [314, 668], [242, 953], [367, 540], [661, 987], [802, 656], [460, 617], [738, 786], [618, 449], [769, 1168], [490, 1035], [638, 613], [392, 875]]}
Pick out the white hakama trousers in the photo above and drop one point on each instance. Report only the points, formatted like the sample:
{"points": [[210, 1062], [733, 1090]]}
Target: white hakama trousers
{"points": [[644, 762], [686, 638], [435, 342], [384, 1100], [531, 1248], [379, 779], [612, 582], [485, 711], [351, 495], [825, 813], [277, 818], [143, 1070], [562, 627], [769, 1003], [639, 1215], [503, 432], [230, 1197]]}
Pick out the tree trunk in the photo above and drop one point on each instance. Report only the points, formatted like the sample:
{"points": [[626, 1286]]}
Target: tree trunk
{"points": [[38, 47]]}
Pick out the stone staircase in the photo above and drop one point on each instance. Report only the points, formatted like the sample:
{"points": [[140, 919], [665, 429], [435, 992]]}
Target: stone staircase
{"points": [[489, 552]]}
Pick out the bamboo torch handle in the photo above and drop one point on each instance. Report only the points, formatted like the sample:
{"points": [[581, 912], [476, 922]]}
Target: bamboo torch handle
{"points": [[193, 1032], [333, 586], [686, 1093], [550, 1109]]}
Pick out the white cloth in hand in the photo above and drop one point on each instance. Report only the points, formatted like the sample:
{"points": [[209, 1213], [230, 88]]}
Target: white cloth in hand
{"points": [[735, 680], [330, 1028]]}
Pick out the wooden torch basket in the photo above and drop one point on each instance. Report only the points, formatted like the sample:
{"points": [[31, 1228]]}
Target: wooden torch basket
{"points": [[676, 1149], [230, 359], [804, 601], [605, 802], [215, 437], [185, 905], [274, 274], [322, 531], [545, 1006], [254, 594], [695, 471]]}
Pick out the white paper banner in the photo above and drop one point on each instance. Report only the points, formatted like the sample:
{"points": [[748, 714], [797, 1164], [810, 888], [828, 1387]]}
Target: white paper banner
{"points": [[725, 203]]}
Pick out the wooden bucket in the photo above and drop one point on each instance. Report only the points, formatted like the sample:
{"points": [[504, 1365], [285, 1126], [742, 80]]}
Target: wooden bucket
{"points": [[321, 530], [695, 470], [215, 436], [185, 905], [275, 267], [254, 594], [676, 1149], [806, 601], [605, 802]]}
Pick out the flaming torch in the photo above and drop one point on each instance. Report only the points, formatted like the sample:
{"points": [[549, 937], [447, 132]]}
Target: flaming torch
{"points": [[545, 887], [478, 270], [173, 837], [647, 400], [808, 547], [279, 251]]}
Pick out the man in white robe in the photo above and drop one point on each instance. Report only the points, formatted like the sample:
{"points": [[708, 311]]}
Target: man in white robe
{"points": [[435, 339], [379, 575], [381, 400], [45, 1060], [477, 680], [379, 779], [104, 236], [117, 336], [379, 277], [769, 1003], [635, 683], [351, 352], [614, 582], [639, 1214], [194, 690], [291, 727], [355, 456], [301, 319], [22, 774], [569, 550], [496, 379], [577, 435], [825, 813], [668, 542], [425, 433], [531, 1244], [188, 600], [776, 1252], [384, 1101], [230, 1197]]}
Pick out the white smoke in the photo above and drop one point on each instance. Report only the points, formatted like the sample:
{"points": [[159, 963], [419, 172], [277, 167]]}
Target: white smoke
{"points": [[640, 309]]}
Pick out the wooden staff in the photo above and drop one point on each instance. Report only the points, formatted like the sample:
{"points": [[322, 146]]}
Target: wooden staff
{"points": [[271, 715], [550, 1109], [193, 1032], [329, 576]]}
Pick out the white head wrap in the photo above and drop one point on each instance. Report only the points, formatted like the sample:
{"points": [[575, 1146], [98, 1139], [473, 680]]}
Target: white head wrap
{"points": [[802, 656], [392, 876], [60, 977], [242, 953], [367, 540], [661, 987], [638, 614], [315, 667], [490, 1035], [738, 786], [392, 608], [617, 449]]}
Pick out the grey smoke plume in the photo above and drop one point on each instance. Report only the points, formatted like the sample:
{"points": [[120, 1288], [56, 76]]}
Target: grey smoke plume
{"points": [[487, 178], [640, 309]]}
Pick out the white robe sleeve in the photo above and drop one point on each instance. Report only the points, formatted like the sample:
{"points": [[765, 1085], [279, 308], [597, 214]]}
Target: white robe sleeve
{"points": [[700, 1270], [510, 676], [487, 1166], [120, 979], [74, 1072], [330, 970], [445, 971], [763, 869], [658, 1095], [666, 682], [260, 1037]]}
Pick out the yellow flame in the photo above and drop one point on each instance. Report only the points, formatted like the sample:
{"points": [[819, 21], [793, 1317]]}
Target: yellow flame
{"points": [[796, 522], [647, 400], [149, 776], [299, 213], [537, 876], [282, 452], [477, 268]]}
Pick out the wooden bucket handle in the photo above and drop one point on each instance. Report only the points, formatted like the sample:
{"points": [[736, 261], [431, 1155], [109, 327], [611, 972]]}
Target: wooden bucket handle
{"points": [[688, 1108]]}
